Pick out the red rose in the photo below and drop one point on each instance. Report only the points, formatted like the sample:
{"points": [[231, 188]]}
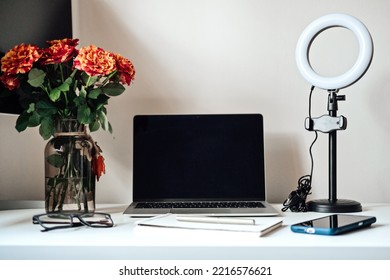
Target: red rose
{"points": [[125, 69], [20, 59], [59, 51], [10, 81], [95, 61], [66, 41]]}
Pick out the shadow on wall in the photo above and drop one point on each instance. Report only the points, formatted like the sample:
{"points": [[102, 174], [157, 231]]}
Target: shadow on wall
{"points": [[283, 166]]}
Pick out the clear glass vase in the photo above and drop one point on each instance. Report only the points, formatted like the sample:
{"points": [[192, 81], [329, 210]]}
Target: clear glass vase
{"points": [[69, 176]]}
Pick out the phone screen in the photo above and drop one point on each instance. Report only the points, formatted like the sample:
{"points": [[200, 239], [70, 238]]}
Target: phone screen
{"points": [[333, 224], [334, 221]]}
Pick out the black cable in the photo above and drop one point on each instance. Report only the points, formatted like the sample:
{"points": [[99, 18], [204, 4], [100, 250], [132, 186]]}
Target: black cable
{"points": [[296, 201]]}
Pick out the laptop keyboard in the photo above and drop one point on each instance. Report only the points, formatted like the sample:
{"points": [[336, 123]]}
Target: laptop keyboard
{"points": [[205, 204]]}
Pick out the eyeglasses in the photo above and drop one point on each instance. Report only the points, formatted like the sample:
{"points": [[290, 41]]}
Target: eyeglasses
{"points": [[62, 220]]}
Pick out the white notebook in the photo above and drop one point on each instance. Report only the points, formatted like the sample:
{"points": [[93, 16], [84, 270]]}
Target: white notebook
{"points": [[261, 225]]}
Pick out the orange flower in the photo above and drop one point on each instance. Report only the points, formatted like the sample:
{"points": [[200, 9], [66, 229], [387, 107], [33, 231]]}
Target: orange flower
{"points": [[98, 166], [66, 41], [20, 59], [125, 68], [95, 61], [59, 51], [10, 81]]}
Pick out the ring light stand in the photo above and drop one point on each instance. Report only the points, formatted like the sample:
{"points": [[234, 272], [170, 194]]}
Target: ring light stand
{"points": [[331, 123]]}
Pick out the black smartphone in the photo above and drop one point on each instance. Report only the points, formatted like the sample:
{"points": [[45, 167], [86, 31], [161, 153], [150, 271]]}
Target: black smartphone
{"points": [[333, 224]]}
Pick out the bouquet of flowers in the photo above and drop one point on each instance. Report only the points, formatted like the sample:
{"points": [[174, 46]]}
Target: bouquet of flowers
{"points": [[59, 83]]}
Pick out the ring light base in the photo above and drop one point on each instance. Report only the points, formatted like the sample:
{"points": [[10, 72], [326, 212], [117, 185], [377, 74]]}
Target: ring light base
{"points": [[339, 206]]}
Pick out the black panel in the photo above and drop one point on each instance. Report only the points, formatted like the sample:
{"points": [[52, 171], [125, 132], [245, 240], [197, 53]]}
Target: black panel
{"points": [[31, 22], [198, 156]]}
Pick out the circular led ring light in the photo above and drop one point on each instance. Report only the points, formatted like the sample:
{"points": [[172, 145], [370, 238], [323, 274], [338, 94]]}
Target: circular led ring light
{"points": [[358, 69]]}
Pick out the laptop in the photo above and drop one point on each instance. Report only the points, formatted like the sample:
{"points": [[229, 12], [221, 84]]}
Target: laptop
{"points": [[199, 164]]}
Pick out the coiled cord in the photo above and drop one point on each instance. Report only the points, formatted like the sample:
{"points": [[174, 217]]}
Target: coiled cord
{"points": [[296, 201]]}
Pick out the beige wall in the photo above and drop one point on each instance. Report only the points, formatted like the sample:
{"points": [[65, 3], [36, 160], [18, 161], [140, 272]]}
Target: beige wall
{"points": [[215, 56]]}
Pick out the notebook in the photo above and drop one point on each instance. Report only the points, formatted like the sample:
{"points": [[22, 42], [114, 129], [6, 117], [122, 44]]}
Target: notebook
{"points": [[259, 225], [199, 164]]}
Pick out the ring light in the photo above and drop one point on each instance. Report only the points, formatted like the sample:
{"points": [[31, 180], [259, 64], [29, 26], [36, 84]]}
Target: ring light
{"points": [[358, 69]]}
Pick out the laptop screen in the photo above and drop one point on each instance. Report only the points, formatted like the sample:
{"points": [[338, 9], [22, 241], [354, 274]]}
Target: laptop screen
{"points": [[198, 157]]}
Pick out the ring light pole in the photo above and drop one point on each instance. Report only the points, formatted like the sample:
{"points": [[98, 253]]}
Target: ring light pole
{"points": [[332, 204], [331, 123]]}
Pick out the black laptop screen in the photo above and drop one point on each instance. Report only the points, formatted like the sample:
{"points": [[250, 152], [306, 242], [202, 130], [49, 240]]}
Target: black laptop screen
{"points": [[189, 157]]}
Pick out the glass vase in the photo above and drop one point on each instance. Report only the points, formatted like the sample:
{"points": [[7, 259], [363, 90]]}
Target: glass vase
{"points": [[69, 177]]}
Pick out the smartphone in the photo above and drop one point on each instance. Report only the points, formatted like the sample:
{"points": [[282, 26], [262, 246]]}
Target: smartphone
{"points": [[333, 224]]}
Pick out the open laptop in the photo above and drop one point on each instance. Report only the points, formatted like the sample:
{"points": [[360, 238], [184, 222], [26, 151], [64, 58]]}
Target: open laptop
{"points": [[199, 164]]}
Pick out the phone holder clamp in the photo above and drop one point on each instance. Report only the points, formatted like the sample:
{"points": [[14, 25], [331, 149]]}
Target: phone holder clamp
{"points": [[326, 123]]}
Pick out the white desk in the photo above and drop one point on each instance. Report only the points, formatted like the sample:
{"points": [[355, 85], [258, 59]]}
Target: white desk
{"points": [[20, 239]]}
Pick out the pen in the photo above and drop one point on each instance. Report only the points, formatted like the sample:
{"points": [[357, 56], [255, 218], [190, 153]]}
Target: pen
{"points": [[216, 220]]}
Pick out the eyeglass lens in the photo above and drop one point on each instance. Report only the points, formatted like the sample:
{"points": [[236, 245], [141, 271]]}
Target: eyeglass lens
{"points": [[59, 220]]}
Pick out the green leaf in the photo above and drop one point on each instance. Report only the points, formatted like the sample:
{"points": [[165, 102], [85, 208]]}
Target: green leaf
{"points": [[79, 101], [74, 86], [56, 160], [47, 128], [73, 74], [94, 126], [31, 108], [99, 102], [89, 80], [36, 77], [83, 92], [64, 86], [94, 94], [110, 128], [22, 121], [83, 114], [93, 80], [69, 80], [84, 78], [113, 89], [103, 120], [55, 94], [45, 108], [34, 120], [42, 104]]}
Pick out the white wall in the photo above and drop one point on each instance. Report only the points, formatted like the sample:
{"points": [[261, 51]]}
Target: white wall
{"points": [[230, 56]]}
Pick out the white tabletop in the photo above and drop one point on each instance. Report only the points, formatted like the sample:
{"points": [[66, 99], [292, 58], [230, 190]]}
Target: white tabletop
{"points": [[20, 239]]}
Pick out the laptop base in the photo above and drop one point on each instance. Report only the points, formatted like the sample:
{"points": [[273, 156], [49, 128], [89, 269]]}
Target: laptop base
{"points": [[267, 211]]}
